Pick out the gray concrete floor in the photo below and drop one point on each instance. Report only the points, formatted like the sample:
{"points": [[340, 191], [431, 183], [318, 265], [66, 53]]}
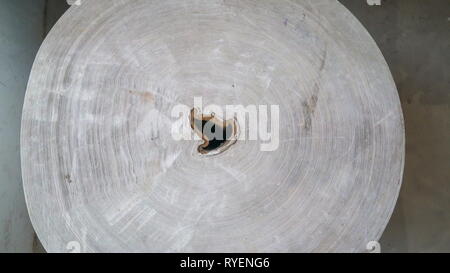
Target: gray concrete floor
{"points": [[414, 36]]}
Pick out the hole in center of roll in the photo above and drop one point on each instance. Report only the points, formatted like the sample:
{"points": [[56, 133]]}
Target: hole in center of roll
{"points": [[218, 135]]}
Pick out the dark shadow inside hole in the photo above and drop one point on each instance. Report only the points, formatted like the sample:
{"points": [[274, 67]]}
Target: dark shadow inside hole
{"points": [[214, 140]]}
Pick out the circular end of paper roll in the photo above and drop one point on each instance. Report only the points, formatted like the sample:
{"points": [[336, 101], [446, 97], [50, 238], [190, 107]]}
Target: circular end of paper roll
{"points": [[113, 80]]}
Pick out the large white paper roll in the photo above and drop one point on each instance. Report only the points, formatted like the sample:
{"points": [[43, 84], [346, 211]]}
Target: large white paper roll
{"points": [[104, 171]]}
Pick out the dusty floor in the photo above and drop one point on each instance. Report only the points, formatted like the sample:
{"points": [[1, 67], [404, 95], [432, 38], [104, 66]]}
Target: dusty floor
{"points": [[414, 36]]}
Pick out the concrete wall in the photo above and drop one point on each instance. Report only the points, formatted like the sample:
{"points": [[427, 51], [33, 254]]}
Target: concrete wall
{"points": [[21, 32]]}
